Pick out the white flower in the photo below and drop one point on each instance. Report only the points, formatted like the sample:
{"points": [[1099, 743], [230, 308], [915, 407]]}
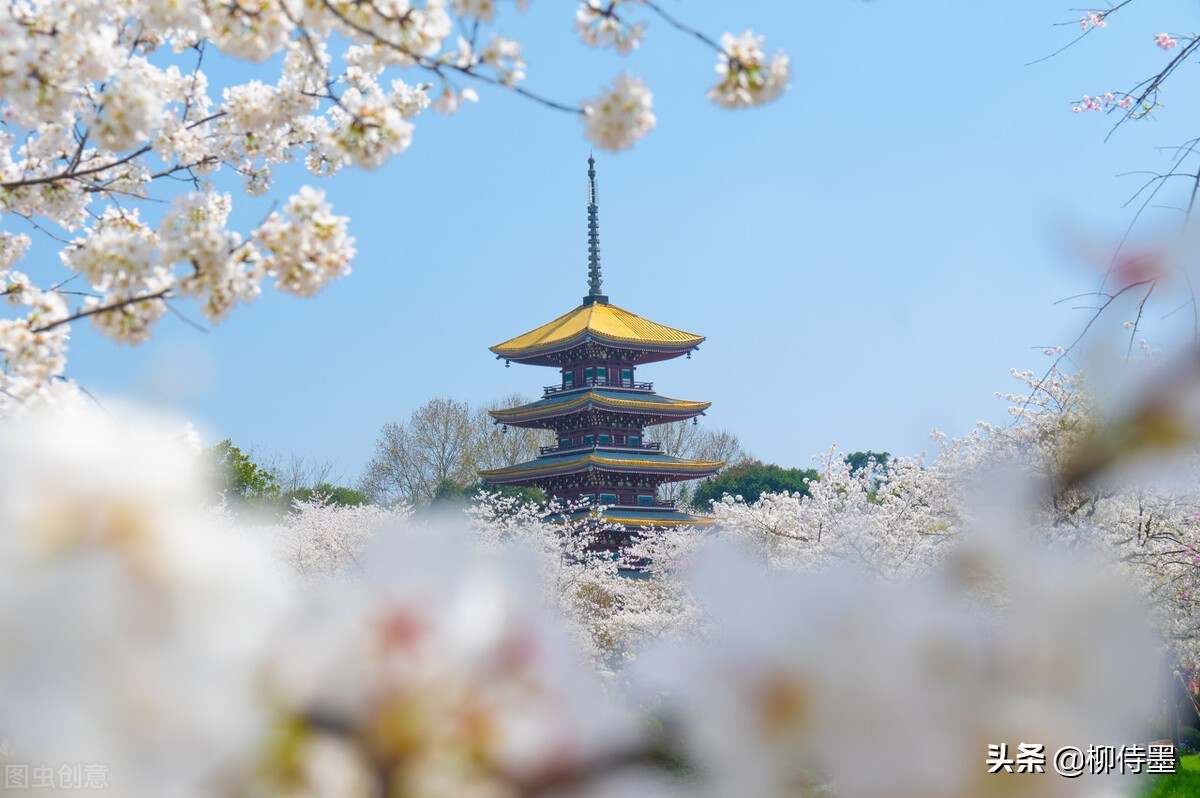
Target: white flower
{"points": [[368, 128], [252, 106], [504, 55], [409, 100], [600, 26], [133, 628], [306, 246], [745, 79], [616, 118], [450, 100], [118, 248], [128, 108], [482, 10], [804, 680], [12, 249], [443, 673], [224, 269]]}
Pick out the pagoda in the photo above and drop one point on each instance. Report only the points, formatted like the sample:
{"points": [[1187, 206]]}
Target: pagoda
{"points": [[598, 409]]}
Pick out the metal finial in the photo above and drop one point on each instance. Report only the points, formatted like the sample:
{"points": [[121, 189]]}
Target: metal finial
{"points": [[594, 280]]}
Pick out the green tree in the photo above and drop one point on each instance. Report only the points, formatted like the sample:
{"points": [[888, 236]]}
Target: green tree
{"points": [[750, 481], [451, 493], [242, 480], [858, 460], [338, 495]]}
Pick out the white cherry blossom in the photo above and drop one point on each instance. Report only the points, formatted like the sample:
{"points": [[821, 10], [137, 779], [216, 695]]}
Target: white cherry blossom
{"points": [[747, 79], [617, 117], [108, 106], [306, 246]]}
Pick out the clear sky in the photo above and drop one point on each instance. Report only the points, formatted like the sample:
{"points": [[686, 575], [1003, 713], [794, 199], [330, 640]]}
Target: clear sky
{"points": [[868, 256]]}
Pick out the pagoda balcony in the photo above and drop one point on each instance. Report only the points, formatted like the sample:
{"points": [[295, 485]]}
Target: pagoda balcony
{"points": [[646, 447], [598, 383], [669, 504]]}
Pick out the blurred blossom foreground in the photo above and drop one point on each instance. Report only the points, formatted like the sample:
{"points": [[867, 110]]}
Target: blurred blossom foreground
{"points": [[869, 640]]}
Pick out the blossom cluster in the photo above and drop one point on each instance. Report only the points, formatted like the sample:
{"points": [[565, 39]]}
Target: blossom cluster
{"points": [[620, 115], [747, 79], [366, 658], [599, 25], [899, 522], [1102, 102], [1093, 19], [1165, 41], [109, 111]]}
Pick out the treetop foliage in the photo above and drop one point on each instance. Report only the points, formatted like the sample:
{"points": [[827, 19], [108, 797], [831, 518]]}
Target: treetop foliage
{"points": [[247, 484], [751, 480]]}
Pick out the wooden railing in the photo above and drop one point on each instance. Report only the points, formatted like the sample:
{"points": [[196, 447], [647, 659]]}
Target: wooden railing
{"points": [[667, 503], [648, 447], [598, 383]]}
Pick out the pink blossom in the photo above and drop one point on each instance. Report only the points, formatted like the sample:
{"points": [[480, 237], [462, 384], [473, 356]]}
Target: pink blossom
{"points": [[1165, 41], [1093, 19], [1101, 102]]}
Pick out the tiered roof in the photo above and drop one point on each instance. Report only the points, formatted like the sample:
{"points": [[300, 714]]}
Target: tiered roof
{"points": [[597, 329], [644, 516], [600, 323], [646, 405], [615, 460]]}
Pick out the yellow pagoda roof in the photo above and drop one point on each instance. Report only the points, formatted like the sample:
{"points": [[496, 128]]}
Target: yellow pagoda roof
{"points": [[598, 321]]}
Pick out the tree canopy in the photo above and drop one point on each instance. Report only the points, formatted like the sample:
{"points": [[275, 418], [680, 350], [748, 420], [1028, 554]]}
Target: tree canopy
{"points": [[859, 460], [247, 483], [240, 478], [337, 495], [750, 481], [435, 455]]}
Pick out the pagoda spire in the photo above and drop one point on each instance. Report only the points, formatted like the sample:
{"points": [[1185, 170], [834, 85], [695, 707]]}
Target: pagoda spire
{"points": [[594, 280]]}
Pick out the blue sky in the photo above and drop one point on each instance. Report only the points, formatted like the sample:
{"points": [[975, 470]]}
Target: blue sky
{"points": [[868, 257]]}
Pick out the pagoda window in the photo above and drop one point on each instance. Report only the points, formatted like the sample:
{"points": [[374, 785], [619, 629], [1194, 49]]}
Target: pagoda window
{"points": [[568, 378], [588, 440], [605, 438], [602, 374], [635, 440], [608, 498], [627, 377], [646, 501], [587, 375], [564, 443]]}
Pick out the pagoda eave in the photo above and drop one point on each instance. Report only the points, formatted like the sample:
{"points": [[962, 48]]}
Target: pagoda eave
{"points": [[605, 417], [592, 346], [638, 409], [601, 468], [639, 517], [592, 326], [665, 469]]}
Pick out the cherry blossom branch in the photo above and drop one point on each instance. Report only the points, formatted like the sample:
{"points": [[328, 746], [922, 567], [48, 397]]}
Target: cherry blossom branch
{"points": [[83, 314], [1090, 22], [1152, 85], [91, 170], [437, 67]]}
